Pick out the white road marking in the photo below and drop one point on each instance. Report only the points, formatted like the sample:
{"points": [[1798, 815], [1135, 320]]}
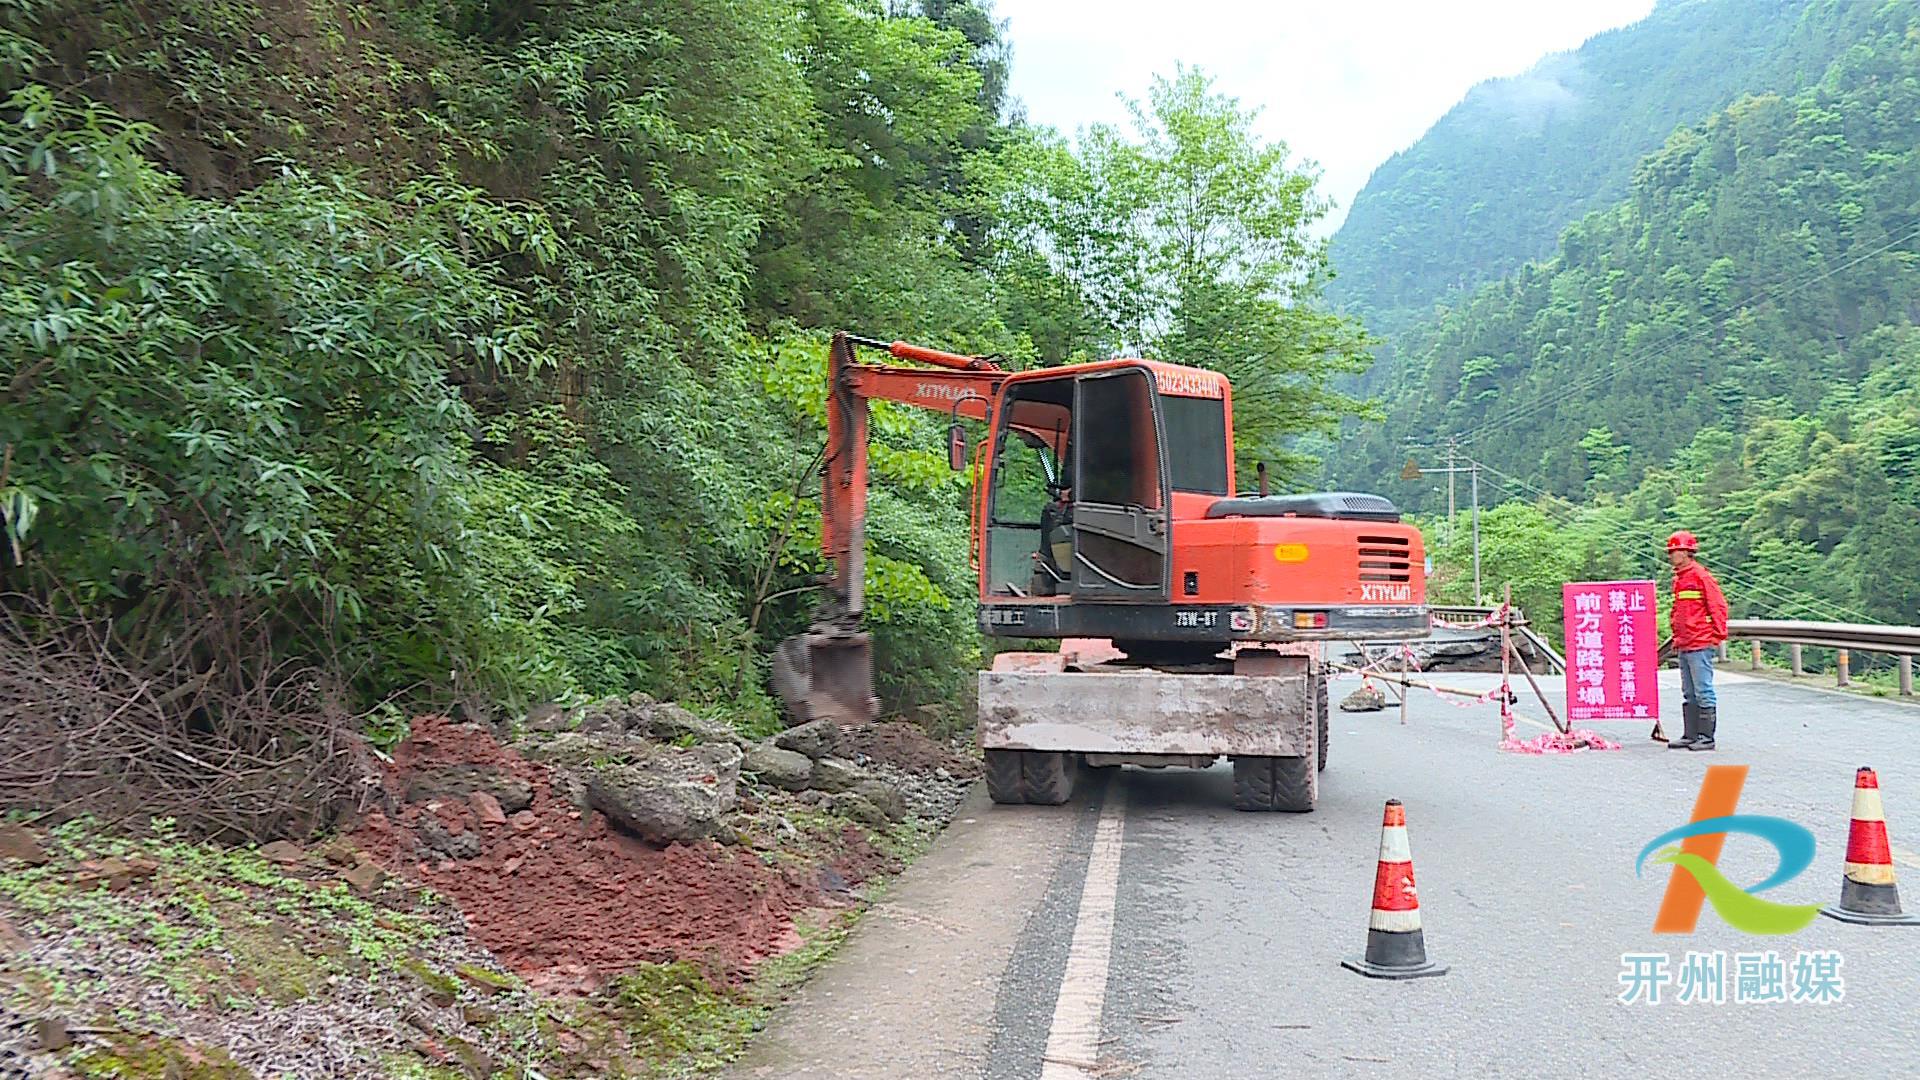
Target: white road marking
{"points": [[1073, 1042], [1906, 858]]}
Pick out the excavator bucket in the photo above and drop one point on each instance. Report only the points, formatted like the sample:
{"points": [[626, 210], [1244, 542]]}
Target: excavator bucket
{"points": [[826, 674]]}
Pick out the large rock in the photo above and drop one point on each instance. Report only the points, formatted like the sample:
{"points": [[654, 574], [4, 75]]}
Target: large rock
{"points": [[834, 775], [1365, 699], [818, 739], [639, 714], [779, 768], [660, 794], [884, 797], [673, 724], [848, 804], [461, 781]]}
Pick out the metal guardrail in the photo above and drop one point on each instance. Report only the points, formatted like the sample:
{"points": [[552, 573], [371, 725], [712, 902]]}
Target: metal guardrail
{"points": [[1843, 638]]}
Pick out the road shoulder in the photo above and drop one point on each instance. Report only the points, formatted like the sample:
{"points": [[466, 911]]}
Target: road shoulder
{"points": [[913, 991]]}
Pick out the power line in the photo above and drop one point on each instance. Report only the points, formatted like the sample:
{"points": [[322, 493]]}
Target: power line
{"points": [[1812, 603], [1603, 372], [1568, 511]]}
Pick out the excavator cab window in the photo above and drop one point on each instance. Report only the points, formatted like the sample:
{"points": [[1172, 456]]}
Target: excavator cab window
{"points": [[1121, 520], [1028, 543]]}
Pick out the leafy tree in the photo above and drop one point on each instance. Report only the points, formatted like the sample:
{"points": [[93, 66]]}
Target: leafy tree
{"points": [[1189, 243]]}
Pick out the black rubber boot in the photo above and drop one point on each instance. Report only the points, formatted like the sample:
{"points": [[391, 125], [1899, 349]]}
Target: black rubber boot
{"points": [[1691, 714], [1709, 719]]}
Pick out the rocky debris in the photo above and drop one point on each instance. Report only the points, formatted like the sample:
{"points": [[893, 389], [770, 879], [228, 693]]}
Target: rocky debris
{"points": [[488, 808], [783, 769], [456, 845], [883, 797], [671, 723], [114, 873], [365, 879], [905, 746], [548, 717], [817, 739], [660, 794], [282, 852], [850, 805], [1366, 699], [934, 796], [672, 796], [564, 899], [19, 842], [461, 781], [834, 775], [637, 714]]}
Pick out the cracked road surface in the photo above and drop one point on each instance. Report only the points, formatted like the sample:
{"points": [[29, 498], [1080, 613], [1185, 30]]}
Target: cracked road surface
{"points": [[1148, 930]]}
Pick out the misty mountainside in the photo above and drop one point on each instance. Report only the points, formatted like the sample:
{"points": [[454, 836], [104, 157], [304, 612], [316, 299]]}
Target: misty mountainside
{"points": [[1734, 348], [1494, 181]]}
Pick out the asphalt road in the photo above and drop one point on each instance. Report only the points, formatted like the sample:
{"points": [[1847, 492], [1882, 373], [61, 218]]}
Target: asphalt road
{"points": [[1227, 929]]}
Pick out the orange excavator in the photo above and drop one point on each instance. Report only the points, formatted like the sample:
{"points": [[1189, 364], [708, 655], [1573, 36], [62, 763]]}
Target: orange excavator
{"points": [[1105, 515]]}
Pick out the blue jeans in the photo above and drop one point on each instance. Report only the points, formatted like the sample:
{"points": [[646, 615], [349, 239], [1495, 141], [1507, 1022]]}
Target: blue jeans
{"points": [[1696, 678]]}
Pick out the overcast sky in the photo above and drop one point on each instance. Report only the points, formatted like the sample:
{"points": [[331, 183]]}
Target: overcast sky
{"points": [[1343, 82]]}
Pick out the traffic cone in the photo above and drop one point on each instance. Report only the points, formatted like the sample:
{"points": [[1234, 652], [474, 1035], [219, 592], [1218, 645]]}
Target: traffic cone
{"points": [[1867, 891], [1396, 948]]}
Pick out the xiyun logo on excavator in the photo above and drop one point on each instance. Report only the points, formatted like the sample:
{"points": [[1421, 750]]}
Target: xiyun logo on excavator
{"points": [[1379, 592]]}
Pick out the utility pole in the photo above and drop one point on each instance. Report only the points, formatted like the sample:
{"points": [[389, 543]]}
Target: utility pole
{"points": [[1476, 530], [1413, 472]]}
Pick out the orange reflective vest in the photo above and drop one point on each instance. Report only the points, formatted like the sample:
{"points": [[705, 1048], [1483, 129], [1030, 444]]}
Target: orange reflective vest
{"points": [[1699, 609]]}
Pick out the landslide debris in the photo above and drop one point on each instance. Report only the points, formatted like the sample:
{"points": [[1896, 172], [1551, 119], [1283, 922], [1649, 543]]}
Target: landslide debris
{"points": [[611, 891]]}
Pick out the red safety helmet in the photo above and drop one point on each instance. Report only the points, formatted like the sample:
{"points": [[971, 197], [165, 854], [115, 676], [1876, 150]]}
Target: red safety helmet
{"points": [[1683, 541]]}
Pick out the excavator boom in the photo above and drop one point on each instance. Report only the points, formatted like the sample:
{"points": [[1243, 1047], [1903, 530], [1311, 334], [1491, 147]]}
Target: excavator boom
{"points": [[828, 671]]}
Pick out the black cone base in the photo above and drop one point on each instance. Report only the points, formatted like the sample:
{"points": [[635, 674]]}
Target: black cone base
{"points": [[1869, 918], [1395, 955], [1869, 905], [1375, 971]]}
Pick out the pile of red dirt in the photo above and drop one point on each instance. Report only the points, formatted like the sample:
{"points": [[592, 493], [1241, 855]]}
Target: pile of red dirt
{"points": [[564, 900], [905, 746]]}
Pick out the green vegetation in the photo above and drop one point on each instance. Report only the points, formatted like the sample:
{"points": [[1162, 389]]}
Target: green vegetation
{"points": [[1732, 350], [476, 350], [1188, 244], [1497, 178]]}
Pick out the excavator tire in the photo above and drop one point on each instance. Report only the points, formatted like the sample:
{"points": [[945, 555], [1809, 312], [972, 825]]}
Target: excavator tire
{"points": [[1049, 776], [1322, 718], [1006, 777], [1287, 784], [1296, 785]]}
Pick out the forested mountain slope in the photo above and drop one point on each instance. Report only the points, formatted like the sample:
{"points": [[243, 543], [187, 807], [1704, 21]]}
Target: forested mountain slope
{"points": [[473, 349], [1496, 179], [1733, 349]]}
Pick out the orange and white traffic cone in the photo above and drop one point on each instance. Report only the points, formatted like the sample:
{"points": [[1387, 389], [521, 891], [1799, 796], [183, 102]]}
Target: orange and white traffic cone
{"points": [[1868, 893], [1396, 947]]}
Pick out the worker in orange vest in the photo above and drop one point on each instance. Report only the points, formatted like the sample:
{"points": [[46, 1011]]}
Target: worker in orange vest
{"points": [[1699, 623]]}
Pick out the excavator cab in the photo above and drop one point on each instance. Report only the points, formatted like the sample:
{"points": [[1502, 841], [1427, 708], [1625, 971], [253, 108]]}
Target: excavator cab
{"points": [[1078, 499]]}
